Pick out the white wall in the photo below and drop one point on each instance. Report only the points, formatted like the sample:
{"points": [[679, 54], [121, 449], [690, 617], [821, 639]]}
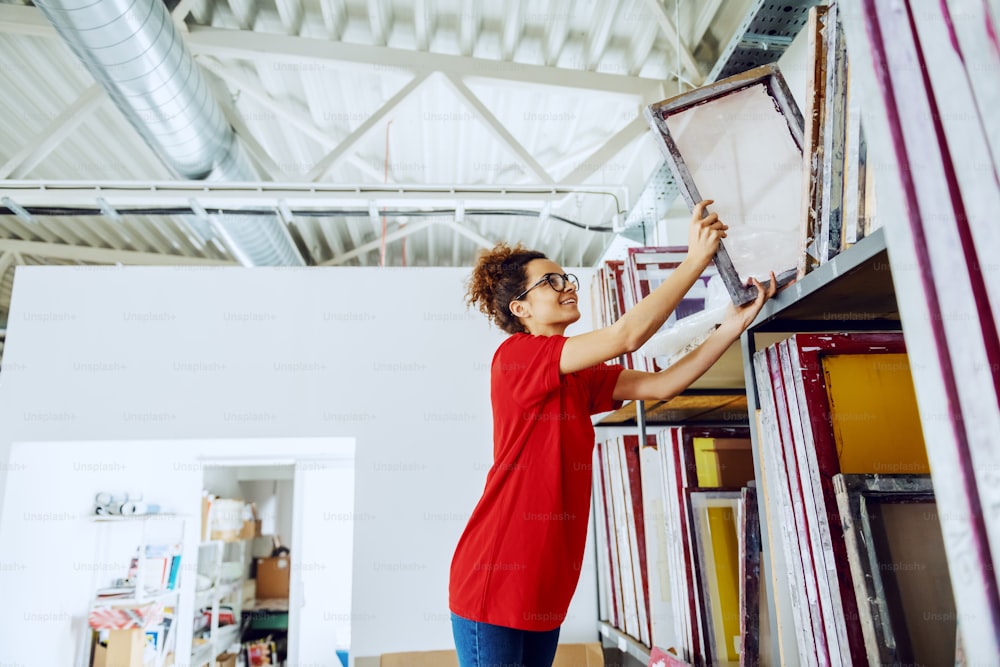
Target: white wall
{"points": [[390, 357]]}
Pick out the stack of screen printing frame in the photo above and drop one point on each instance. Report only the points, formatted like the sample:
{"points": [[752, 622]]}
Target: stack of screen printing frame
{"points": [[849, 511], [840, 471]]}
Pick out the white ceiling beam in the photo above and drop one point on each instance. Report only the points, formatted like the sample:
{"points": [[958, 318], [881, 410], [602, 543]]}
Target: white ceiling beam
{"points": [[600, 35], [611, 147], [203, 11], [23, 20], [354, 236], [364, 248], [39, 147], [6, 261], [470, 20], [255, 90], [255, 46], [103, 255], [245, 12], [497, 128], [367, 167], [89, 230], [639, 47], [220, 195], [351, 140], [265, 164], [296, 119], [513, 28], [380, 18], [332, 240], [283, 48], [334, 17], [151, 235], [576, 157], [704, 20], [23, 225], [432, 259], [478, 239], [179, 13], [556, 31], [670, 31], [291, 14], [423, 23]]}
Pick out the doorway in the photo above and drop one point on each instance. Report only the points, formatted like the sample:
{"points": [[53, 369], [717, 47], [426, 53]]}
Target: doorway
{"points": [[297, 573]]}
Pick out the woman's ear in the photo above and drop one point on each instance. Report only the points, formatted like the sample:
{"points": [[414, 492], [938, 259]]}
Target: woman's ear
{"points": [[519, 309]]}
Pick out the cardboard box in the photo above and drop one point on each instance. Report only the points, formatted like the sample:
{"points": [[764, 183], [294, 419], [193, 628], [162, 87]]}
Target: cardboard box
{"points": [[420, 659], [126, 648], [225, 660], [100, 655], [250, 530], [567, 655], [206, 505], [273, 576], [225, 519]]}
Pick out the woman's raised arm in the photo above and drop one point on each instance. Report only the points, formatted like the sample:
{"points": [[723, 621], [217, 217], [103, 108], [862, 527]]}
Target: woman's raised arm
{"points": [[662, 386], [637, 325]]}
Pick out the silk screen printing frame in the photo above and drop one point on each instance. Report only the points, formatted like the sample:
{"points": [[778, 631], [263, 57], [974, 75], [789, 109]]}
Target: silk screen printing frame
{"points": [[898, 565], [739, 141]]}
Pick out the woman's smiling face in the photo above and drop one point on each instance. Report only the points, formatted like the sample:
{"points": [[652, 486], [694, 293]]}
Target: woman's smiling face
{"points": [[544, 310]]}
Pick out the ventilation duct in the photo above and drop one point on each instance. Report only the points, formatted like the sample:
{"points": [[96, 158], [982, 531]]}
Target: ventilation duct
{"points": [[133, 49]]}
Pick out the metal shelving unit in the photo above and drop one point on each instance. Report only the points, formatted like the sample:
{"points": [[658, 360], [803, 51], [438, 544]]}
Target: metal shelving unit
{"points": [[626, 644], [854, 291], [219, 638], [855, 288], [140, 596]]}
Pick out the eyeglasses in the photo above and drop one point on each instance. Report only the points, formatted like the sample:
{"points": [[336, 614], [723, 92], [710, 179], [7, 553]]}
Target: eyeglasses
{"points": [[556, 281]]}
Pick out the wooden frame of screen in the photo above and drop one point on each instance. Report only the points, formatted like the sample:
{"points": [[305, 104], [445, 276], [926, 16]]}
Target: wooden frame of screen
{"points": [[853, 492], [700, 501], [656, 115], [687, 472], [749, 581], [802, 365]]}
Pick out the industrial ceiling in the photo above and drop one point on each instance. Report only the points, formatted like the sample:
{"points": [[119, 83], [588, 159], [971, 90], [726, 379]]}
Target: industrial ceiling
{"points": [[363, 132]]}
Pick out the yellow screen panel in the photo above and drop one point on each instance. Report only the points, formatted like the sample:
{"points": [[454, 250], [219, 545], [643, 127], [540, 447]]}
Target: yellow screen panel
{"points": [[723, 462], [726, 552], [873, 409]]}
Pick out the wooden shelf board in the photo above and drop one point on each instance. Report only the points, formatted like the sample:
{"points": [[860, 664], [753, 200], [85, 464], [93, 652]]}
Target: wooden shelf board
{"points": [[693, 407]]}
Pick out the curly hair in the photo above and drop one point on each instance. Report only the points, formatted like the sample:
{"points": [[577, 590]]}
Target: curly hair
{"points": [[498, 276]]}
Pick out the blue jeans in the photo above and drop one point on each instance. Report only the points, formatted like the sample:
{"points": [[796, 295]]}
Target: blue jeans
{"points": [[485, 645]]}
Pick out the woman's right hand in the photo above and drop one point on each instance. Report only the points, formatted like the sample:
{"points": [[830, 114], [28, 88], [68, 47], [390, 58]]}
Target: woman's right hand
{"points": [[704, 234]]}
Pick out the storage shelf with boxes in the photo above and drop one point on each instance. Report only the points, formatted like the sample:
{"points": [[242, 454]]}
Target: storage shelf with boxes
{"points": [[228, 519]]}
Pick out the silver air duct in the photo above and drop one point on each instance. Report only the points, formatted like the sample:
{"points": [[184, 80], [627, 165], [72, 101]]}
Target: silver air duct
{"points": [[134, 51]]}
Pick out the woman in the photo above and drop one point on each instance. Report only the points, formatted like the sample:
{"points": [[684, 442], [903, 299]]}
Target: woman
{"points": [[518, 562]]}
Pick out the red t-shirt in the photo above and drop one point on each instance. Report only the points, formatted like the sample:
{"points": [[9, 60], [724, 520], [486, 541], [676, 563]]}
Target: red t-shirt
{"points": [[518, 561]]}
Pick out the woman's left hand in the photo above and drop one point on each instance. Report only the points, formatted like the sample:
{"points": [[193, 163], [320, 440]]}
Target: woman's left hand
{"points": [[738, 318]]}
